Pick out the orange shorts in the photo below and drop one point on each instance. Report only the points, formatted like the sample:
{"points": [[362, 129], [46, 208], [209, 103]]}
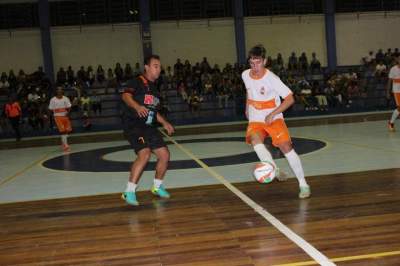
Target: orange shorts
{"points": [[397, 98], [277, 130], [63, 124]]}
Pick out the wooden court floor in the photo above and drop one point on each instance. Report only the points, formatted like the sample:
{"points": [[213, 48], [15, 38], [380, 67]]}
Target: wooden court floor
{"points": [[348, 215]]}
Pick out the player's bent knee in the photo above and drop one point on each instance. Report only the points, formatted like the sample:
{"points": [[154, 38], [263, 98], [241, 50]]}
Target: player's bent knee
{"points": [[285, 147], [144, 154]]}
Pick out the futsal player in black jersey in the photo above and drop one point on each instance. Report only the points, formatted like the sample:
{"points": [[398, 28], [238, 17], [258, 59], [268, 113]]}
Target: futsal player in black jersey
{"points": [[140, 106]]}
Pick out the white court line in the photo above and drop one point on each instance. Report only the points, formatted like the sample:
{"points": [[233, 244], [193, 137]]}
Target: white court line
{"points": [[307, 247]]}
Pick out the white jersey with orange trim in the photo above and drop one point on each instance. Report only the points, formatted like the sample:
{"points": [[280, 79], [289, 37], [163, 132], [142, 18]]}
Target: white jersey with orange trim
{"points": [[60, 106], [263, 95], [394, 74]]}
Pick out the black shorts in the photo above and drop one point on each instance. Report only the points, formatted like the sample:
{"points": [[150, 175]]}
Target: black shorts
{"points": [[141, 138]]}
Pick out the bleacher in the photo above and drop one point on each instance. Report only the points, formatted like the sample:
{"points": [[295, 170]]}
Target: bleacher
{"points": [[210, 111]]}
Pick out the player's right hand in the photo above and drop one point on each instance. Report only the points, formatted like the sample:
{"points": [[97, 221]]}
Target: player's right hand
{"points": [[142, 111]]}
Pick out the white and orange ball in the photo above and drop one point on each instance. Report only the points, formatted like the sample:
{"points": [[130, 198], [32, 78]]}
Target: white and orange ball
{"points": [[264, 172]]}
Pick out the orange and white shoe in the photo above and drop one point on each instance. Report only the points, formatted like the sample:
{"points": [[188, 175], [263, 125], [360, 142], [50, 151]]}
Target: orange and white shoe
{"points": [[391, 127]]}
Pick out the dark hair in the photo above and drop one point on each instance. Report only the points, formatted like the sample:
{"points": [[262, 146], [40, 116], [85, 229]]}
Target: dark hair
{"points": [[148, 58], [257, 51]]}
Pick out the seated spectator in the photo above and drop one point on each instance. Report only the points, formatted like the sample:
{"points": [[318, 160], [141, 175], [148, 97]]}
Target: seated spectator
{"points": [[34, 96], [208, 88], [165, 110], [380, 70], [353, 90], [96, 103], [85, 102], [223, 92], [194, 103], [182, 90], [320, 95]]}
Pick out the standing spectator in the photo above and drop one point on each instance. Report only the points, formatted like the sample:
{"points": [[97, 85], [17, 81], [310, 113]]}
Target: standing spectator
{"points": [[13, 113], [61, 76], [81, 74], [204, 65], [12, 79], [292, 65], [119, 72], [178, 68], [379, 56], [90, 76], [4, 84], [369, 59], [70, 75], [100, 75], [303, 63], [315, 65], [128, 72]]}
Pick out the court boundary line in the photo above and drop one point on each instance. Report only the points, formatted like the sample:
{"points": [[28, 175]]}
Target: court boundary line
{"points": [[26, 168], [300, 242], [347, 258]]}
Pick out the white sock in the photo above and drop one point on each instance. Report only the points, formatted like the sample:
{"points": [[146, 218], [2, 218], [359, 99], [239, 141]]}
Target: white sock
{"points": [[64, 139], [394, 116], [157, 182], [297, 168], [130, 187], [263, 153]]}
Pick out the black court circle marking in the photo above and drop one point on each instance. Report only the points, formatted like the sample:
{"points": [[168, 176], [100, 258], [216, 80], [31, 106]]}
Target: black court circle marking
{"points": [[92, 160]]}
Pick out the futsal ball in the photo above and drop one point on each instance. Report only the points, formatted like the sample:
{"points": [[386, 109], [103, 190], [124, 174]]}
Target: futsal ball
{"points": [[264, 172]]}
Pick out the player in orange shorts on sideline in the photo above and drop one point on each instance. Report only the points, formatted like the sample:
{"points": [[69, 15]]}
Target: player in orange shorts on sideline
{"points": [[264, 112], [394, 79], [60, 105]]}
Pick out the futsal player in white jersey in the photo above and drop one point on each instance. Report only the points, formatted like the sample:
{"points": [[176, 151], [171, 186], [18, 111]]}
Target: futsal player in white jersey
{"points": [[264, 111], [394, 80], [60, 105]]}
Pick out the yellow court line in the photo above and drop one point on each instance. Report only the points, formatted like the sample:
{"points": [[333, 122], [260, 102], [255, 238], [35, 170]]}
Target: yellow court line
{"points": [[20, 172], [349, 258]]}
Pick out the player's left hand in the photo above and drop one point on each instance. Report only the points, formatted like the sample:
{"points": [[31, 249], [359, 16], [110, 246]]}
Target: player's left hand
{"points": [[269, 119], [169, 128]]}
